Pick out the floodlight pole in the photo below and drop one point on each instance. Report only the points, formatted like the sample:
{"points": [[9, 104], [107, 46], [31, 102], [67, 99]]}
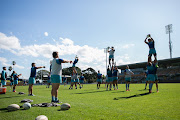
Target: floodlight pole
{"points": [[106, 50], [168, 31], [170, 46]]}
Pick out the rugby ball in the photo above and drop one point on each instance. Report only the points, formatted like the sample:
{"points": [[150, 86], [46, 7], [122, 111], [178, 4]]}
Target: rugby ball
{"points": [[26, 106], [41, 117], [13, 107], [65, 106]]}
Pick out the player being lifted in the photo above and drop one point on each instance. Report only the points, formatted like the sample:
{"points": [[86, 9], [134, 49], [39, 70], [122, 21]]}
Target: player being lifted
{"points": [[151, 45], [111, 56], [75, 61]]}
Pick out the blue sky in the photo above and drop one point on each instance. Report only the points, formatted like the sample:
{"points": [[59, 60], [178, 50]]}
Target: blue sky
{"points": [[30, 30]]}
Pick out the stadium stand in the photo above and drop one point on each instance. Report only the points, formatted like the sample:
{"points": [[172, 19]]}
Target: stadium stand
{"points": [[168, 71]]}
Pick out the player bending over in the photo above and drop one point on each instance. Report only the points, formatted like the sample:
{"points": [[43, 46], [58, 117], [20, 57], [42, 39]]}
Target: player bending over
{"points": [[56, 74], [151, 45], [32, 80], [99, 79], [15, 76], [128, 74]]}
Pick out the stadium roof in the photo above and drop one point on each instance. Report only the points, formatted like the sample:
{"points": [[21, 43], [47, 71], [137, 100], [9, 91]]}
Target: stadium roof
{"points": [[161, 63]]}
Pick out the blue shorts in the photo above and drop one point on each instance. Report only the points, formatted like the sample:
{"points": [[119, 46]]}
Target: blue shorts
{"points": [[152, 51], [128, 79], [12, 83], [3, 82], [110, 79], [81, 81], [111, 56], [72, 80], [32, 80], [99, 80], [115, 78], [151, 77], [73, 65], [15, 82], [48, 81], [56, 79], [76, 80], [107, 81]]}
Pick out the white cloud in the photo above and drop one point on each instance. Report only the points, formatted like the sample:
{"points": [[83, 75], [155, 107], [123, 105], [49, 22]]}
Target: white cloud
{"points": [[88, 56], [4, 62], [127, 46], [9, 43], [46, 34], [19, 66]]}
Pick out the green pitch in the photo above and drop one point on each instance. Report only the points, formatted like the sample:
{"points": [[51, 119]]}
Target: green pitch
{"points": [[90, 103]]}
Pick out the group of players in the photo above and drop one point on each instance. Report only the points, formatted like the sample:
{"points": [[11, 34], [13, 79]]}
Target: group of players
{"points": [[111, 78]]}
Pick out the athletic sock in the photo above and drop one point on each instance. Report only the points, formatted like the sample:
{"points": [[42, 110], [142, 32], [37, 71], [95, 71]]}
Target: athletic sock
{"points": [[53, 98], [117, 87], [151, 85], [56, 99], [128, 86]]}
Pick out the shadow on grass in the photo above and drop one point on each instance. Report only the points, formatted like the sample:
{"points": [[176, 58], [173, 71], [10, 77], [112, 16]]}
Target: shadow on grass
{"points": [[62, 110], [143, 90], [118, 91], [137, 95], [90, 92], [9, 97]]}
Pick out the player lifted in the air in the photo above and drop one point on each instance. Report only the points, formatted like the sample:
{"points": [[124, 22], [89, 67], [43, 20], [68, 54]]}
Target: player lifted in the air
{"points": [[111, 56], [151, 45], [75, 61]]}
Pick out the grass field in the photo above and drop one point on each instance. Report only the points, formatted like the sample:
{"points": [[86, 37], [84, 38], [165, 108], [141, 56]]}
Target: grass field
{"points": [[90, 103]]}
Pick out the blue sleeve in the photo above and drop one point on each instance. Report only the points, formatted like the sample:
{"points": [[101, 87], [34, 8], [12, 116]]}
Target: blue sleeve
{"points": [[35, 67], [59, 61]]}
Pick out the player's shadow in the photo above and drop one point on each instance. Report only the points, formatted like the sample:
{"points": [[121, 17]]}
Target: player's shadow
{"points": [[137, 95], [62, 110], [118, 91], [9, 97], [90, 92], [143, 90]]}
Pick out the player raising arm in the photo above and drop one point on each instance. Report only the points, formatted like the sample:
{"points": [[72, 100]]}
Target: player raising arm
{"points": [[56, 75], [32, 80]]}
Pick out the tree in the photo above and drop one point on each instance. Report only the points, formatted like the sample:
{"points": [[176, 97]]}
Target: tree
{"points": [[44, 73], [90, 74], [68, 71]]}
